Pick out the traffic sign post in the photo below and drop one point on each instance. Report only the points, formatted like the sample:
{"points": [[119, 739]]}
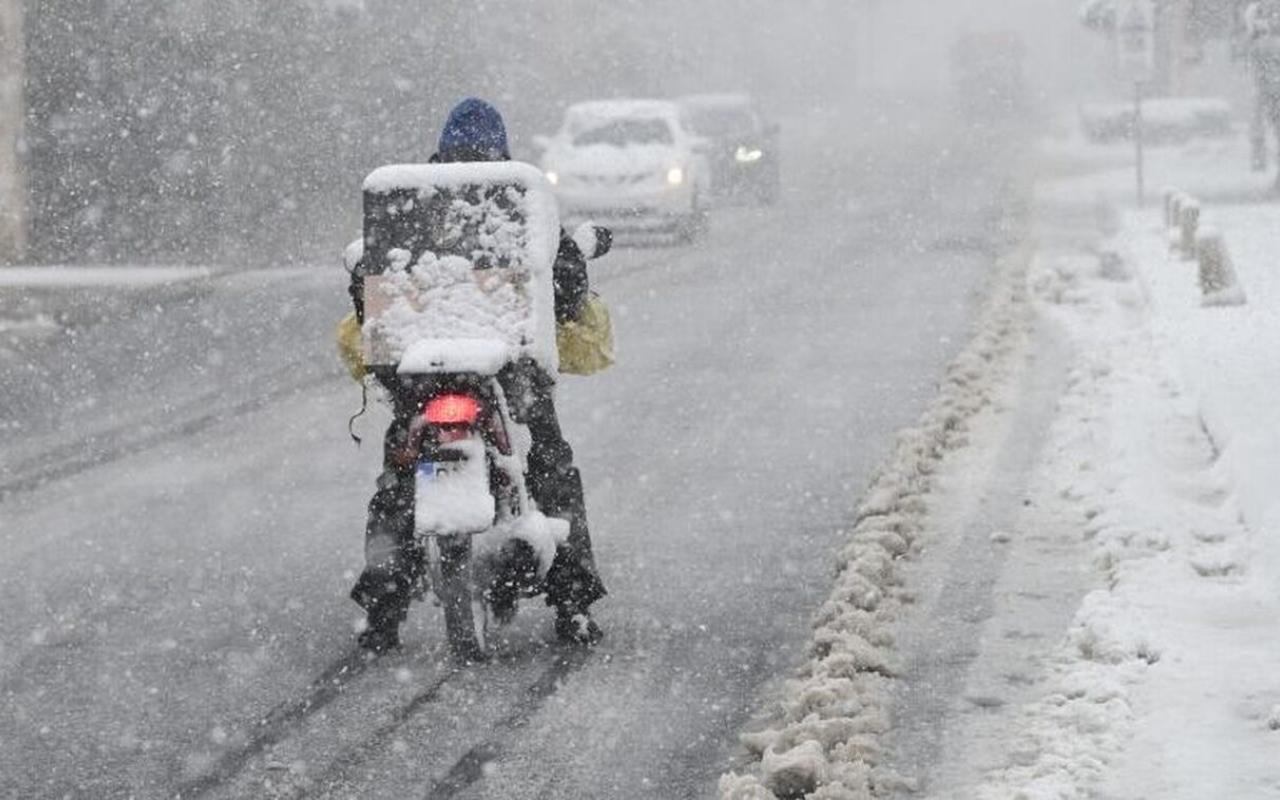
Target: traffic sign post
{"points": [[1139, 157], [1136, 62]]}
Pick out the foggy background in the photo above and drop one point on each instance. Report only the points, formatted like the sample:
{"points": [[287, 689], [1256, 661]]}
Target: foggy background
{"points": [[236, 132], [184, 511]]}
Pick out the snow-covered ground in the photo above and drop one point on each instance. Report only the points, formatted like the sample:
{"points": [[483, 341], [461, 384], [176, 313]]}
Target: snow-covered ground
{"points": [[1077, 595], [1165, 684], [1061, 583]]}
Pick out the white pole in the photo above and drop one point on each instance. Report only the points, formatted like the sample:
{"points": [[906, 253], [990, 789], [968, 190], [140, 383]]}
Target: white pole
{"points": [[1138, 126], [870, 24], [13, 185]]}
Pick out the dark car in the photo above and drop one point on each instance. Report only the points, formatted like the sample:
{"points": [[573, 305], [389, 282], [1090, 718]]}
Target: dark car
{"points": [[741, 148]]}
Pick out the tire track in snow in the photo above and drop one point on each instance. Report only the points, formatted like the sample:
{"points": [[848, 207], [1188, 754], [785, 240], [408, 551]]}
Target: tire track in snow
{"points": [[288, 717], [282, 720], [470, 768]]}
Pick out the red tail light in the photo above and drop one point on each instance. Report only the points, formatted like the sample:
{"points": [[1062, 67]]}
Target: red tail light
{"points": [[452, 409]]}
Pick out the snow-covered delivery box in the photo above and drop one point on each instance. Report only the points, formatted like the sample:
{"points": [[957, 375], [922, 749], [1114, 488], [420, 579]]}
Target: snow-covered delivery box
{"points": [[457, 267]]}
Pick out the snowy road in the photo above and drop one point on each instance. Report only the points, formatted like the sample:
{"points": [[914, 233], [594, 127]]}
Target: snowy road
{"points": [[175, 619]]}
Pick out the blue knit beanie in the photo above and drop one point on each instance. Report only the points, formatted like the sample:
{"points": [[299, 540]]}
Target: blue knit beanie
{"points": [[474, 130]]}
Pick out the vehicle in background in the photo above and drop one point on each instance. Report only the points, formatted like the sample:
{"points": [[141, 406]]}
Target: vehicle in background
{"points": [[742, 148], [1165, 120], [987, 73], [629, 164]]}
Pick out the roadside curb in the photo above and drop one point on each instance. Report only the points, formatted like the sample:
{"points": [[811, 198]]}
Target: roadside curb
{"points": [[823, 738], [62, 301]]}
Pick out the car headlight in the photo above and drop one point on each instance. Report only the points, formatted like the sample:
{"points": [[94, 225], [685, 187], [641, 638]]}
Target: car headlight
{"points": [[553, 177], [746, 155], [675, 176]]}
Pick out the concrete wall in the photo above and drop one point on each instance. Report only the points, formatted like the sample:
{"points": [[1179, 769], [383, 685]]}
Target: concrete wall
{"points": [[13, 191]]}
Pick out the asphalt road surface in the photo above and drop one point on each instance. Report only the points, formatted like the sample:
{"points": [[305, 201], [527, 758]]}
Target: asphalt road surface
{"points": [[181, 510]]}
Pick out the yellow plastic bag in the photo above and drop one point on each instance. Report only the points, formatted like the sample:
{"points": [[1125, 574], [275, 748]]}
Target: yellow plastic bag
{"points": [[349, 346], [586, 344]]}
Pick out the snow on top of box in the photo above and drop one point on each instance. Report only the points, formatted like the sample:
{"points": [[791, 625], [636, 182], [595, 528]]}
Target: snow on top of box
{"points": [[538, 237]]}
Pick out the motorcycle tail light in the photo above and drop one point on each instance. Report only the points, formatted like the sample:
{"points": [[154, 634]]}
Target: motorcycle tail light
{"points": [[452, 409]]}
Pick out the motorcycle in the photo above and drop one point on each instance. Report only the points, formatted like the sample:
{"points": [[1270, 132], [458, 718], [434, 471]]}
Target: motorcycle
{"points": [[458, 309]]}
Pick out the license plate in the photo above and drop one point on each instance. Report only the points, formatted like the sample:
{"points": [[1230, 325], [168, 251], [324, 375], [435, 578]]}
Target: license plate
{"points": [[429, 471], [453, 497]]}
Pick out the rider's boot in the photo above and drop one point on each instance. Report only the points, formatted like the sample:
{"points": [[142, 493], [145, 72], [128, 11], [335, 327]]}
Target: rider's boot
{"points": [[386, 604], [379, 640], [382, 632], [574, 625], [519, 572]]}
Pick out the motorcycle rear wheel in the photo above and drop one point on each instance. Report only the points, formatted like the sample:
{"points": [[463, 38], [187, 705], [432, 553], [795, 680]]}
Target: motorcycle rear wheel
{"points": [[465, 617]]}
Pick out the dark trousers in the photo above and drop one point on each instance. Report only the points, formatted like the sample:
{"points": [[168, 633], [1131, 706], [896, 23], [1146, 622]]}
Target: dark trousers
{"points": [[395, 563]]}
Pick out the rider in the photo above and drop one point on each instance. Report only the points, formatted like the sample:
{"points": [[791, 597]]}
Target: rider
{"points": [[394, 563]]}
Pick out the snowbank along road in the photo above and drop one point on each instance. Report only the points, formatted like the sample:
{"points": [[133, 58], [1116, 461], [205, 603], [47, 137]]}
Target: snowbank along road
{"points": [[182, 512], [1066, 557]]}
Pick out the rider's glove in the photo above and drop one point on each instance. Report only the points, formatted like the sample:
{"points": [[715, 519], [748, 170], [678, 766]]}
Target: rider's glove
{"points": [[350, 347]]}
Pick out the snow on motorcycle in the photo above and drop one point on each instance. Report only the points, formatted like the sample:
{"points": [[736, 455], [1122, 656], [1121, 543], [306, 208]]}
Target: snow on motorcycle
{"points": [[458, 298]]}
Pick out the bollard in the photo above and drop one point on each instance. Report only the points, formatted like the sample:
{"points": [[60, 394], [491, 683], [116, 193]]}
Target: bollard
{"points": [[1171, 224], [1175, 209], [1219, 285], [1170, 207], [1189, 225]]}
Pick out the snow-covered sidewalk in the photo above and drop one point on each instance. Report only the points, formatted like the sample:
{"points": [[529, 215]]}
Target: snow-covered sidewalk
{"points": [[1166, 684], [1229, 358], [1116, 630]]}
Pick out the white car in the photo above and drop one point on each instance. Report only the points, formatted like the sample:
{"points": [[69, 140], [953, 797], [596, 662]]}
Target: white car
{"points": [[630, 165]]}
